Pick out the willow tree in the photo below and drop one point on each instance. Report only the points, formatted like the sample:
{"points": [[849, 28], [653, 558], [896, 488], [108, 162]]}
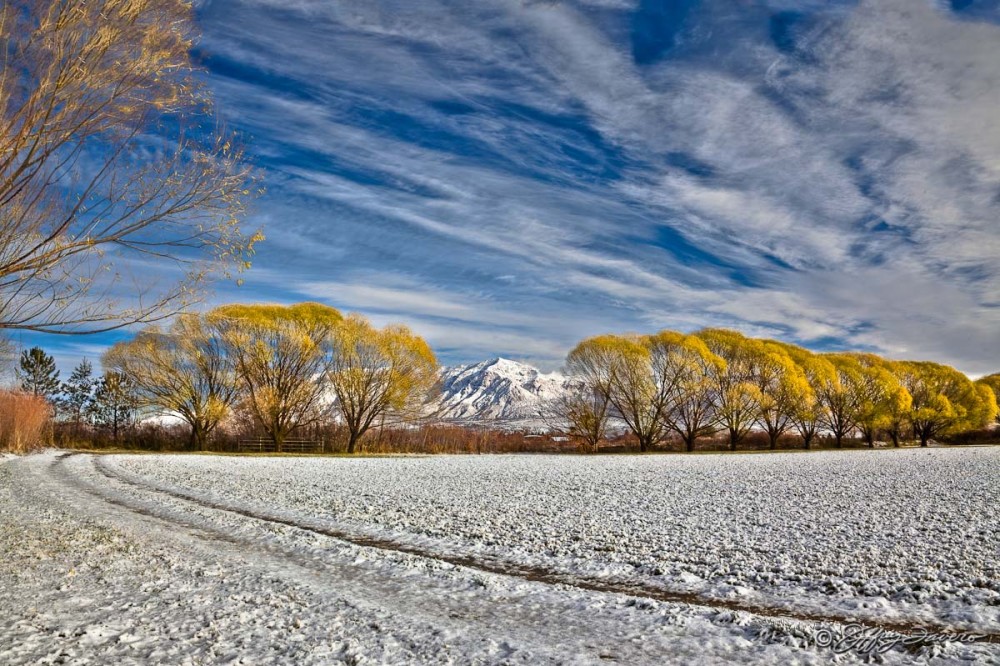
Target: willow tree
{"points": [[840, 397], [945, 400], [183, 371], [783, 391], [645, 379], [807, 416], [882, 398], [377, 373], [112, 166], [898, 425], [279, 354], [620, 368], [992, 382], [737, 396], [693, 414], [586, 408]]}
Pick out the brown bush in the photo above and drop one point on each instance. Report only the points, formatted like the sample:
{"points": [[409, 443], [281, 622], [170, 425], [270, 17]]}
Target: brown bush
{"points": [[980, 436], [24, 421]]}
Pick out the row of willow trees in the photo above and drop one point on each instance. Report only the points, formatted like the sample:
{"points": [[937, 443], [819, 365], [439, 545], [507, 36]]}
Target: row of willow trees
{"points": [[689, 386], [281, 367]]}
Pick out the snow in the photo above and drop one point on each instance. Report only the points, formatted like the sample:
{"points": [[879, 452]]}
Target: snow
{"points": [[100, 565], [499, 391]]}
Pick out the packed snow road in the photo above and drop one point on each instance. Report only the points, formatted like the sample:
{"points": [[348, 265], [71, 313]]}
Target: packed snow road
{"points": [[684, 559]]}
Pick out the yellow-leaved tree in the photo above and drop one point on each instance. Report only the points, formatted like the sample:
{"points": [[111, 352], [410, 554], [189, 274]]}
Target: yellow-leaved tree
{"points": [[621, 368], [882, 398], [840, 397], [898, 425], [807, 416], [687, 358], [992, 382], [737, 397], [586, 408], [945, 400], [783, 391], [377, 373], [183, 371], [280, 357], [654, 383]]}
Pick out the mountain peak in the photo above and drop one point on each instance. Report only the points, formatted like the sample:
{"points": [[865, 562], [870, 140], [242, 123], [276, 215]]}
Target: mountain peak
{"points": [[498, 391]]}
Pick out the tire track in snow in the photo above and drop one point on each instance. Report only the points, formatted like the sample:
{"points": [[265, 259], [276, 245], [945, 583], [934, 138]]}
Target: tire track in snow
{"points": [[552, 577], [514, 619]]}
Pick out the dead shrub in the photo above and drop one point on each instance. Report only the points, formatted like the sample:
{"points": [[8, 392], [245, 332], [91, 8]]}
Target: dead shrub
{"points": [[24, 421]]}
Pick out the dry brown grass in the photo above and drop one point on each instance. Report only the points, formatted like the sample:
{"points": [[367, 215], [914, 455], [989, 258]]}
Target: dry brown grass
{"points": [[24, 421]]}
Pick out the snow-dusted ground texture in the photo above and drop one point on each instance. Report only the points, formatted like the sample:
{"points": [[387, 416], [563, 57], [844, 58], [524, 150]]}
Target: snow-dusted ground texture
{"points": [[651, 559]]}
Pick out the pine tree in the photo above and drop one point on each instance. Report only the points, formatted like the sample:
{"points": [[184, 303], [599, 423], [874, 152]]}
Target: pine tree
{"points": [[77, 394], [38, 373], [114, 405]]}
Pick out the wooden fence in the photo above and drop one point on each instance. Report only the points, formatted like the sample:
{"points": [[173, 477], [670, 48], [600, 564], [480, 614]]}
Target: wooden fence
{"points": [[288, 446]]}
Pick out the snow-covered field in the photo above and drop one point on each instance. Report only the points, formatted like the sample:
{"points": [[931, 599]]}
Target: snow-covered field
{"points": [[498, 559]]}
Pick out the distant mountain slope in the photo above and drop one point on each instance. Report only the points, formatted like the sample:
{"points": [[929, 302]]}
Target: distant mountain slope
{"points": [[499, 391]]}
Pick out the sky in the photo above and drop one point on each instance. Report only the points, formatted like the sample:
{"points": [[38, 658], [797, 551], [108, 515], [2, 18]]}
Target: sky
{"points": [[509, 177]]}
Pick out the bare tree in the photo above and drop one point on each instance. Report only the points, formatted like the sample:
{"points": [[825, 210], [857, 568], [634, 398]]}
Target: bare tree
{"points": [[584, 412], [111, 163]]}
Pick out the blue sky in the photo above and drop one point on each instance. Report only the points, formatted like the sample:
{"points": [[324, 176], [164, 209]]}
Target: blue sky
{"points": [[508, 177]]}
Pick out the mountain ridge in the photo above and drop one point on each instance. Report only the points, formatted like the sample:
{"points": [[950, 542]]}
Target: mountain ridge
{"points": [[499, 392]]}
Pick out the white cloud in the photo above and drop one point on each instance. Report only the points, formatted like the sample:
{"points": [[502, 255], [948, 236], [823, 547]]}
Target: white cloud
{"points": [[852, 183]]}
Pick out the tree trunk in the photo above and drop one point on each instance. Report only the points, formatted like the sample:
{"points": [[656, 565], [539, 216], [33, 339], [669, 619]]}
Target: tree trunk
{"points": [[352, 441], [773, 437], [199, 437], [688, 442]]}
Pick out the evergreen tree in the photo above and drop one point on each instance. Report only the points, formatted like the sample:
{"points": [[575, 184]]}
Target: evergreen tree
{"points": [[114, 406], [38, 374], [77, 394]]}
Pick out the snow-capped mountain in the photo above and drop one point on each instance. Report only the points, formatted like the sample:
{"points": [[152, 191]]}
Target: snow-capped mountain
{"points": [[499, 391]]}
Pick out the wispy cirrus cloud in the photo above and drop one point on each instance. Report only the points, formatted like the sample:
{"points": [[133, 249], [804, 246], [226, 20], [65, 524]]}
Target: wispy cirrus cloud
{"points": [[510, 176]]}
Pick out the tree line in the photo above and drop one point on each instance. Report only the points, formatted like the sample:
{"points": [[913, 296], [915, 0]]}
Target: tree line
{"points": [[107, 402], [281, 370], [276, 369], [690, 386]]}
